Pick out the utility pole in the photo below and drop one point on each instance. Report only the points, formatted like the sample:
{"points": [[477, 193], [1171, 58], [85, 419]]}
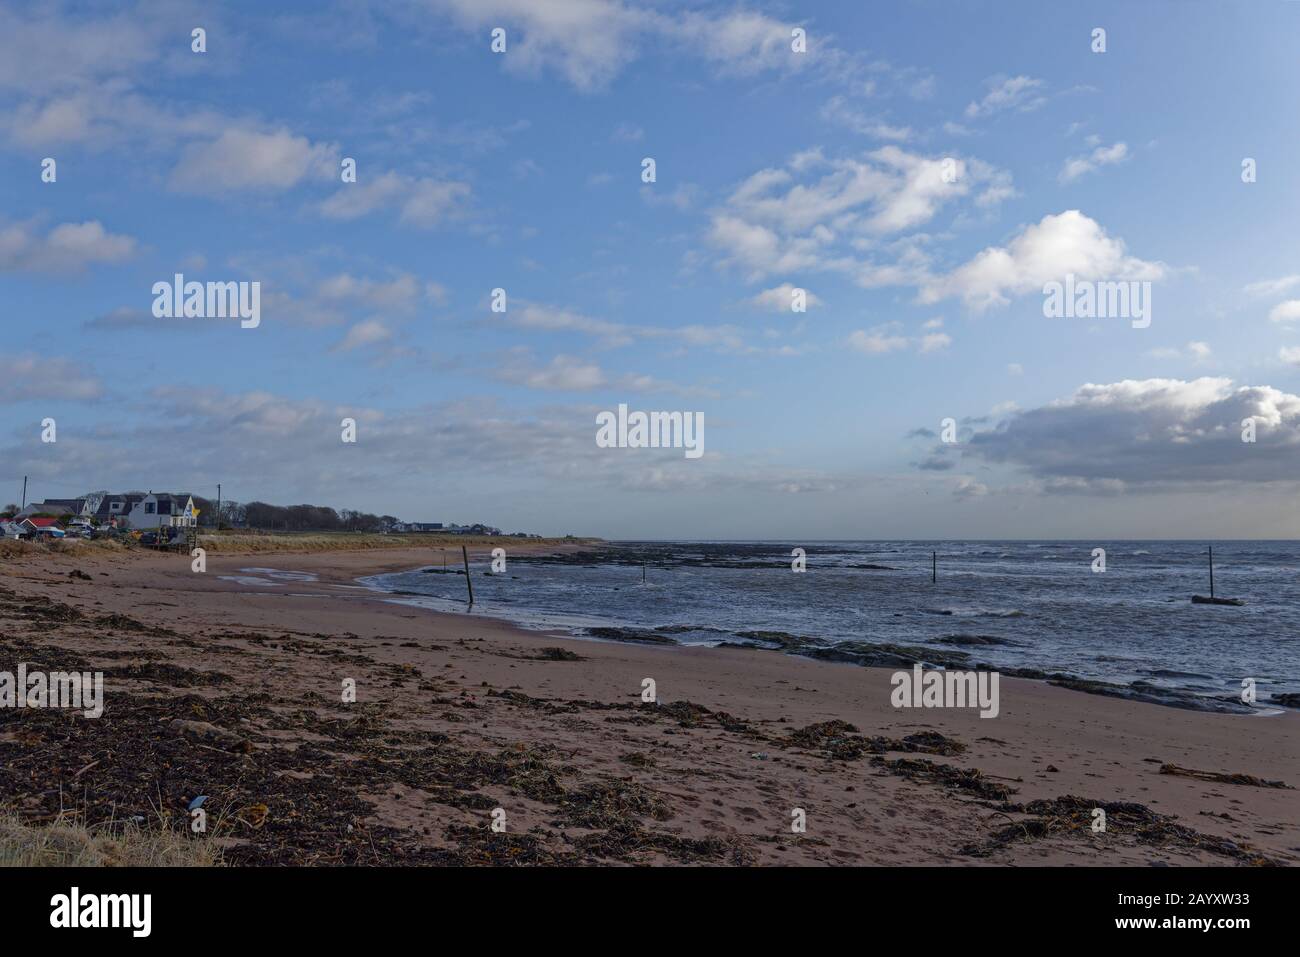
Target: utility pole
{"points": [[24, 505], [218, 516]]}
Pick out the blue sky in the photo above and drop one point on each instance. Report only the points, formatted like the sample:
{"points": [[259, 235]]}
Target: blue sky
{"points": [[774, 169]]}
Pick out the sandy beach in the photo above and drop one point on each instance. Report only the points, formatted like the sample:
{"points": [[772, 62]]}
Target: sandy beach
{"points": [[222, 687]]}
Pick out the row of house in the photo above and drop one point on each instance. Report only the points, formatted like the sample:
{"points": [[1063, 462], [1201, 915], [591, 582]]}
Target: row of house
{"points": [[450, 529], [133, 510]]}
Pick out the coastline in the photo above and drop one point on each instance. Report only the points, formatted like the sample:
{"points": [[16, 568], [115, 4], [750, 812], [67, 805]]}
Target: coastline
{"points": [[457, 715]]}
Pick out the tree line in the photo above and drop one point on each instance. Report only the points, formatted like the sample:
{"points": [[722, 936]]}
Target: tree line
{"points": [[291, 518]]}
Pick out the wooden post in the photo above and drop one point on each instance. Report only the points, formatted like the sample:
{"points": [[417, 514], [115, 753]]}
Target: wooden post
{"points": [[934, 568], [1211, 571], [643, 574], [470, 584]]}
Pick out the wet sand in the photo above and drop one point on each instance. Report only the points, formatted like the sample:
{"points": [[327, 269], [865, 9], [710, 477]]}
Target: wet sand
{"points": [[232, 690]]}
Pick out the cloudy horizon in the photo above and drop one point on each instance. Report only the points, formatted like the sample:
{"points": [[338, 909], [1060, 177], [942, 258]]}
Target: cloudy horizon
{"points": [[501, 271]]}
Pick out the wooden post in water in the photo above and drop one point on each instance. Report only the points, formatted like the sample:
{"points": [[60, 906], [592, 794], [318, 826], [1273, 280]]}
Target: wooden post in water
{"points": [[643, 573], [465, 555], [1211, 571], [934, 568]]}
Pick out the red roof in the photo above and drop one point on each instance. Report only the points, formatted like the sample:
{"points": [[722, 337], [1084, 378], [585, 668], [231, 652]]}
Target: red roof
{"points": [[42, 522]]}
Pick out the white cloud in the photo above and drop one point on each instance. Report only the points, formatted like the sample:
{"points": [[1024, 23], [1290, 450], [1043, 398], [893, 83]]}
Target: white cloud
{"points": [[421, 202], [1272, 287], [840, 111], [935, 341], [779, 298], [1195, 351], [817, 212], [1007, 93], [1283, 312], [589, 42], [246, 159], [1057, 245], [27, 378], [563, 373], [401, 292], [68, 247], [878, 340], [1078, 166], [369, 332], [1290, 355]]}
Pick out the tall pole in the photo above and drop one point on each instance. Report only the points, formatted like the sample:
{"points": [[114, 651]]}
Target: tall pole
{"points": [[934, 568], [24, 505], [1211, 571], [218, 516], [469, 584]]}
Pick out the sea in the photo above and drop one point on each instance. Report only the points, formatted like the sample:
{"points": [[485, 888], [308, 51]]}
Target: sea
{"points": [[1030, 608]]}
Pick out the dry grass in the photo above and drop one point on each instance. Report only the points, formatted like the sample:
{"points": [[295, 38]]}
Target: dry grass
{"points": [[236, 543], [67, 843], [12, 548], [250, 543]]}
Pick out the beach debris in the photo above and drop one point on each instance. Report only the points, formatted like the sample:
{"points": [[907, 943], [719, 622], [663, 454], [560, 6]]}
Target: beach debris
{"points": [[197, 803], [1221, 778], [1071, 816], [78, 573], [206, 731], [948, 776], [254, 815], [841, 741], [558, 654]]}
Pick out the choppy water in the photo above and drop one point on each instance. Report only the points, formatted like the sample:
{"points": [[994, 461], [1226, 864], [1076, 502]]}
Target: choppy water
{"points": [[1040, 601]]}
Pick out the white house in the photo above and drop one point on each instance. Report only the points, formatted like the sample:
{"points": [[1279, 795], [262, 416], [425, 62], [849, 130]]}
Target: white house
{"points": [[162, 510]]}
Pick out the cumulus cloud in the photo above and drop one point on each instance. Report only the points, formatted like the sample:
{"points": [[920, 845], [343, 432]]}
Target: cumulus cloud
{"points": [[779, 298], [1152, 432], [1042, 252], [68, 247], [1284, 312], [248, 159], [818, 212]]}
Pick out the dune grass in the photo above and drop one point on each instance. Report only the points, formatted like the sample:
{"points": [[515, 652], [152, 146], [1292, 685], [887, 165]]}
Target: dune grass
{"points": [[66, 842], [252, 543]]}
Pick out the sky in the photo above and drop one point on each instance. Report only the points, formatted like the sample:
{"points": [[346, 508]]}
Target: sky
{"points": [[922, 171]]}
